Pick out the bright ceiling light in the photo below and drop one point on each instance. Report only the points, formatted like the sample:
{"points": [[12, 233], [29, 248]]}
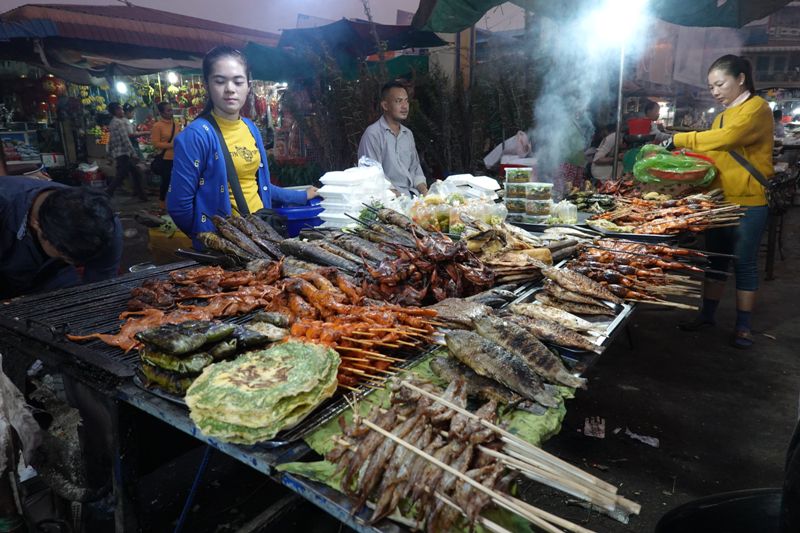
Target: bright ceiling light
{"points": [[121, 87], [772, 105], [614, 22], [796, 111], [711, 109], [172, 77]]}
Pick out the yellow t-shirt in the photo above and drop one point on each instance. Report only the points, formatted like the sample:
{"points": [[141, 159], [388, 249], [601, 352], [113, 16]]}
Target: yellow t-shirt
{"points": [[246, 159]]}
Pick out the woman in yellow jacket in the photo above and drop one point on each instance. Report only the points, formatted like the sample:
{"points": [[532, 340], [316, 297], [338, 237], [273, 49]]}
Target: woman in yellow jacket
{"points": [[745, 126]]}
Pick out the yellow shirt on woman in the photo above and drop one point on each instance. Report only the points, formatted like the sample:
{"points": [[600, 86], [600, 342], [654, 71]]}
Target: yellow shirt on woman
{"points": [[246, 159], [747, 129]]}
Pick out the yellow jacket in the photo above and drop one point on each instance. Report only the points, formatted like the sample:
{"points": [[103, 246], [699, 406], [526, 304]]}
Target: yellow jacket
{"points": [[160, 134], [747, 129]]}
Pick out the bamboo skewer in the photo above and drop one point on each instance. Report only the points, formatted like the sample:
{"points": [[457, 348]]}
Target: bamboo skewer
{"points": [[528, 449], [354, 359], [664, 303], [485, 522], [498, 498]]}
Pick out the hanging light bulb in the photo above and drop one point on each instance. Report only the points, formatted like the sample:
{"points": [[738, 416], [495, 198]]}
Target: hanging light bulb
{"points": [[172, 77], [121, 87]]}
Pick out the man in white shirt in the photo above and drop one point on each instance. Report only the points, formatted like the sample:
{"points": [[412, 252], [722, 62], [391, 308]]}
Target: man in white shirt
{"points": [[391, 144]]}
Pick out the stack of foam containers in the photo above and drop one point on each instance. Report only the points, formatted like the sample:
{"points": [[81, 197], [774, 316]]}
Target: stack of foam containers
{"points": [[345, 193]]}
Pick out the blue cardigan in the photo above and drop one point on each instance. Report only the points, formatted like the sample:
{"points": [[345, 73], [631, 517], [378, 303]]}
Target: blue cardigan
{"points": [[199, 185]]}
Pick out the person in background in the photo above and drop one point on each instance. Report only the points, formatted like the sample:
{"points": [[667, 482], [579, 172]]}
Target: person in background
{"points": [[603, 160], [48, 229], [652, 111], [779, 131], [199, 187], [132, 133], [745, 127], [392, 145], [163, 138], [121, 150]]}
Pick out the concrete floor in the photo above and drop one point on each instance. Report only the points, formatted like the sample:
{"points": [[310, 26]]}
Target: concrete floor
{"points": [[723, 416]]}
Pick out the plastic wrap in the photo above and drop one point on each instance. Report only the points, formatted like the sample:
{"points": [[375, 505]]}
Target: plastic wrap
{"points": [[655, 164]]}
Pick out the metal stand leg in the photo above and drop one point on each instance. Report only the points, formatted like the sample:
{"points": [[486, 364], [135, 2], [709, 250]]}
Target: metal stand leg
{"points": [[780, 236], [629, 335], [772, 230], [123, 471], [190, 498]]}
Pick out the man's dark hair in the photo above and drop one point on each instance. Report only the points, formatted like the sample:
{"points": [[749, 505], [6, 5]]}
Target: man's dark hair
{"points": [[78, 222], [162, 105], [113, 106], [127, 107], [777, 114], [394, 84], [649, 105]]}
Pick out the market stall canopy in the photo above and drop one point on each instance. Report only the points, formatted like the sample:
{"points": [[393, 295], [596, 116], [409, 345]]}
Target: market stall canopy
{"points": [[285, 64], [77, 42], [452, 16], [355, 38]]}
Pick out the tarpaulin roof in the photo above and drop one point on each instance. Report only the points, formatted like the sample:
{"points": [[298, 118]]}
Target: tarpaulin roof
{"points": [[128, 25], [355, 38], [451, 16]]}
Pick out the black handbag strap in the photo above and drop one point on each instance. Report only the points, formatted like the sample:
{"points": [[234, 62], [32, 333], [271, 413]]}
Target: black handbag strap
{"points": [[746, 164], [233, 178], [164, 151], [750, 168]]}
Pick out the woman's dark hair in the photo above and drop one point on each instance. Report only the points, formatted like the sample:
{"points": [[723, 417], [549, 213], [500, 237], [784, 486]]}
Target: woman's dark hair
{"points": [[734, 66], [162, 105], [214, 55], [649, 105], [78, 222], [777, 114], [113, 106]]}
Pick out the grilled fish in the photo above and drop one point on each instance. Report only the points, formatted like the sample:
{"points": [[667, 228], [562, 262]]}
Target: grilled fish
{"points": [[360, 247], [332, 248], [478, 386], [490, 360], [572, 307], [550, 331], [523, 344], [458, 312], [564, 294], [312, 252], [390, 216], [292, 266], [575, 282], [212, 241], [245, 226], [267, 231], [223, 350], [233, 234], [553, 314]]}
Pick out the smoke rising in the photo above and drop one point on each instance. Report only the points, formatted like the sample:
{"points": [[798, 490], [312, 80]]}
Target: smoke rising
{"points": [[579, 69]]}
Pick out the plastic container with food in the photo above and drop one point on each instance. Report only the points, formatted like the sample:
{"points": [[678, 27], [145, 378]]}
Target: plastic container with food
{"points": [[516, 205], [538, 207], [538, 191], [519, 175], [516, 190]]}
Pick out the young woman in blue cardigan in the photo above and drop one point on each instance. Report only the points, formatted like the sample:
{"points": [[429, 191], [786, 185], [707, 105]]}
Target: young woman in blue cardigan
{"points": [[199, 186]]}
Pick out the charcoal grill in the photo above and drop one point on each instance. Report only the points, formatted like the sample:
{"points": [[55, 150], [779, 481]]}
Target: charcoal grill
{"points": [[36, 325]]}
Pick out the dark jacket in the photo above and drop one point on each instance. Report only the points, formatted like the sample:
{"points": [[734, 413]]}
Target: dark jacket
{"points": [[24, 267]]}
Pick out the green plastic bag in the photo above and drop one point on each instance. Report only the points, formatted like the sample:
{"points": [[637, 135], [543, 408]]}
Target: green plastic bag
{"points": [[654, 164]]}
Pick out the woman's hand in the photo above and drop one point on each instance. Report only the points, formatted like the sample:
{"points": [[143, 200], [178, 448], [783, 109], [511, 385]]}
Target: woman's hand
{"points": [[312, 192]]}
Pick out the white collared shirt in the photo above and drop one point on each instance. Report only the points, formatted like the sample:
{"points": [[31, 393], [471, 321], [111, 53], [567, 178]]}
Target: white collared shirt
{"points": [[396, 153], [742, 98]]}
